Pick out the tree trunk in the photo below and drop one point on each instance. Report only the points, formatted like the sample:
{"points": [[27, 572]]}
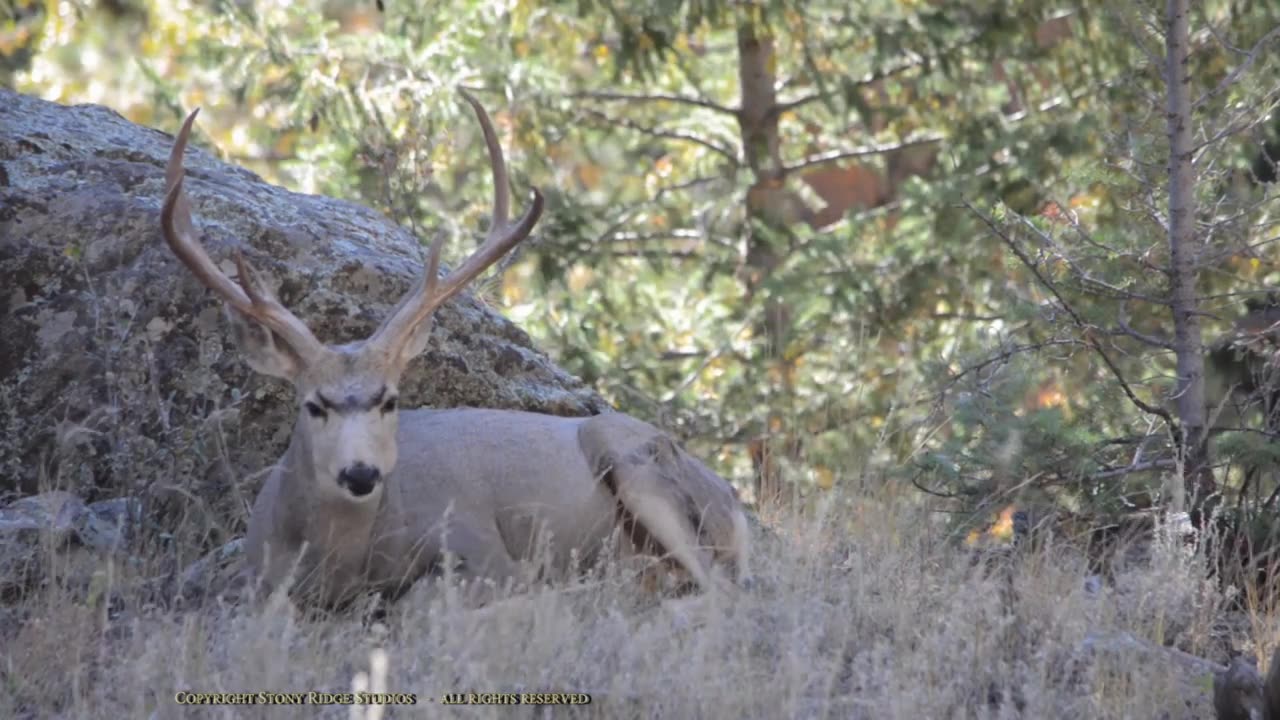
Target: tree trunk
{"points": [[1188, 344], [769, 204]]}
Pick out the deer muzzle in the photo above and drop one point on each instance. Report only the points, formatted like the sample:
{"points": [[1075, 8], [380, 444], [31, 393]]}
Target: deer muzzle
{"points": [[360, 479]]}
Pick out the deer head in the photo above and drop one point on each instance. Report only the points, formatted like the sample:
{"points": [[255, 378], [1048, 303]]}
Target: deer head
{"points": [[345, 435]]}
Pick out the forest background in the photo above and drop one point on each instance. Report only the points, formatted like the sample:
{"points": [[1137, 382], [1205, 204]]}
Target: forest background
{"points": [[893, 267], [825, 244]]}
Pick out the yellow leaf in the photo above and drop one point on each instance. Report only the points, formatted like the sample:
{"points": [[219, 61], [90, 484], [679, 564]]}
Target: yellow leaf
{"points": [[589, 174], [1051, 398], [1002, 528], [13, 39], [285, 144], [580, 278], [513, 291], [713, 370], [824, 478]]}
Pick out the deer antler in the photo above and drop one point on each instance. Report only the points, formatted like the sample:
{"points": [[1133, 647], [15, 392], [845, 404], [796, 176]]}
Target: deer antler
{"points": [[430, 292], [249, 297]]}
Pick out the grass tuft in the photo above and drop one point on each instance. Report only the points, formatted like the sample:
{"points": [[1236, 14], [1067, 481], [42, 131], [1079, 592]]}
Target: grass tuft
{"points": [[860, 612]]}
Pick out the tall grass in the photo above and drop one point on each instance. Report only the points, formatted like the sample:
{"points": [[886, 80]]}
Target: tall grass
{"points": [[862, 611]]}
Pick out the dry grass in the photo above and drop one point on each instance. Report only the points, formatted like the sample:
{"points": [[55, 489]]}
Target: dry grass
{"points": [[865, 612]]}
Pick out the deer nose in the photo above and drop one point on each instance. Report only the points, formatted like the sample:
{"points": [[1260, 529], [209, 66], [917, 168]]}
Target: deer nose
{"points": [[360, 479]]}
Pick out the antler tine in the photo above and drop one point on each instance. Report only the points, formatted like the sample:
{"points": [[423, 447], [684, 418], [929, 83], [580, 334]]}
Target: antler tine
{"points": [[247, 297], [430, 292], [497, 163], [501, 237]]}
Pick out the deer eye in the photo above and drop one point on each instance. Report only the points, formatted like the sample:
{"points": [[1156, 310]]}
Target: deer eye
{"points": [[389, 405], [316, 411]]}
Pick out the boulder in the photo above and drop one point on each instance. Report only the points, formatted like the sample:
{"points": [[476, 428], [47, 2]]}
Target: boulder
{"points": [[215, 573], [38, 528], [118, 375]]}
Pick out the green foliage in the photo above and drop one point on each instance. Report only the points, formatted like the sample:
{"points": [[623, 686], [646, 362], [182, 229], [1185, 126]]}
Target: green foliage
{"points": [[639, 279]]}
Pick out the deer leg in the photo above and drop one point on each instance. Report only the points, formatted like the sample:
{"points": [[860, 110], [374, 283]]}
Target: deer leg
{"points": [[481, 553], [666, 524]]}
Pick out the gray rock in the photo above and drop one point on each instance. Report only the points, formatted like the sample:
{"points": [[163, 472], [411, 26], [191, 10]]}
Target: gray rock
{"points": [[215, 573], [1187, 675], [109, 524], [56, 534], [1238, 692], [56, 514], [117, 371], [31, 529]]}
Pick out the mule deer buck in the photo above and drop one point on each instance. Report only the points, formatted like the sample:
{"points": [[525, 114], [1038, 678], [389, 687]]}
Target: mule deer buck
{"points": [[370, 498]]}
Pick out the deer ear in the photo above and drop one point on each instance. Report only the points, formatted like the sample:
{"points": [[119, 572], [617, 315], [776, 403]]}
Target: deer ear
{"points": [[265, 351]]}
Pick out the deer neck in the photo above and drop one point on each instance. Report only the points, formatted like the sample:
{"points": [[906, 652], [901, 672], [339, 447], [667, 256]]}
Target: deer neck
{"points": [[336, 528]]}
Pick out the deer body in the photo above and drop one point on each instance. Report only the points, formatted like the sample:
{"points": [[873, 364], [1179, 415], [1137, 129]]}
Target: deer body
{"points": [[369, 497], [518, 483]]}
